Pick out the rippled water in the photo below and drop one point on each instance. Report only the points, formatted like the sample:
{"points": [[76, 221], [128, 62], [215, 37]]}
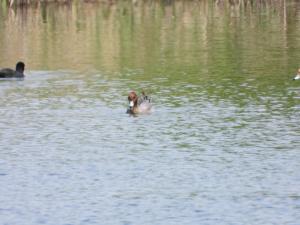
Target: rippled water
{"points": [[221, 147]]}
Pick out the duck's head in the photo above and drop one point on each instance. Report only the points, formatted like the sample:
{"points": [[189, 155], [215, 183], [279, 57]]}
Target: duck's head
{"points": [[20, 67], [133, 101], [297, 77]]}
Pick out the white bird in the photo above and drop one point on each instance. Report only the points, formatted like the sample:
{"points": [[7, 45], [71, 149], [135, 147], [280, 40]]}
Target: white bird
{"points": [[297, 77]]}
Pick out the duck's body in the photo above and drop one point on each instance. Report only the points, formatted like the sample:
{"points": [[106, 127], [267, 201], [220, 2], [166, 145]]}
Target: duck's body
{"points": [[10, 73], [140, 104], [297, 77]]}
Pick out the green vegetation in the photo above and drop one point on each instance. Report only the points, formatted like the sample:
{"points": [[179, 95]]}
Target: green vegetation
{"points": [[241, 3]]}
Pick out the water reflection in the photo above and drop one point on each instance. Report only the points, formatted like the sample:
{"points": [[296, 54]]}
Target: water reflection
{"points": [[114, 36], [220, 148], [238, 50]]}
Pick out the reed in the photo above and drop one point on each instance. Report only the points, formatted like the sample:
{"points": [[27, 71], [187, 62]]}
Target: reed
{"points": [[11, 3], [241, 3]]}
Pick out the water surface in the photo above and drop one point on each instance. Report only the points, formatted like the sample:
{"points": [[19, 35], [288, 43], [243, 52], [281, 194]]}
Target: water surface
{"points": [[221, 147]]}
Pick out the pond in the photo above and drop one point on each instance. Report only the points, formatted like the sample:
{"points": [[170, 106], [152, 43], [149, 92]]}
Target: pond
{"points": [[221, 145]]}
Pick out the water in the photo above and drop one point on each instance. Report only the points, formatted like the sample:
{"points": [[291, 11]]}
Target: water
{"points": [[221, 147]]}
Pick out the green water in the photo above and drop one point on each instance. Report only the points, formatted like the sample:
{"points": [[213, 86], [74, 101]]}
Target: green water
{"points": [[192, 42]]}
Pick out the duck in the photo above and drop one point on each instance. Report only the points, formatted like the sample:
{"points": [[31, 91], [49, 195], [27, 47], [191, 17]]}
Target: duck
{"points": [[10, 73], [138, 104], [297, 77]]}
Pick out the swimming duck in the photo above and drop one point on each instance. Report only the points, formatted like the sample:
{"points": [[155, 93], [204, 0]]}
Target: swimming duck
{"points": [[297, 77], [137, 104], [10, 73]]}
